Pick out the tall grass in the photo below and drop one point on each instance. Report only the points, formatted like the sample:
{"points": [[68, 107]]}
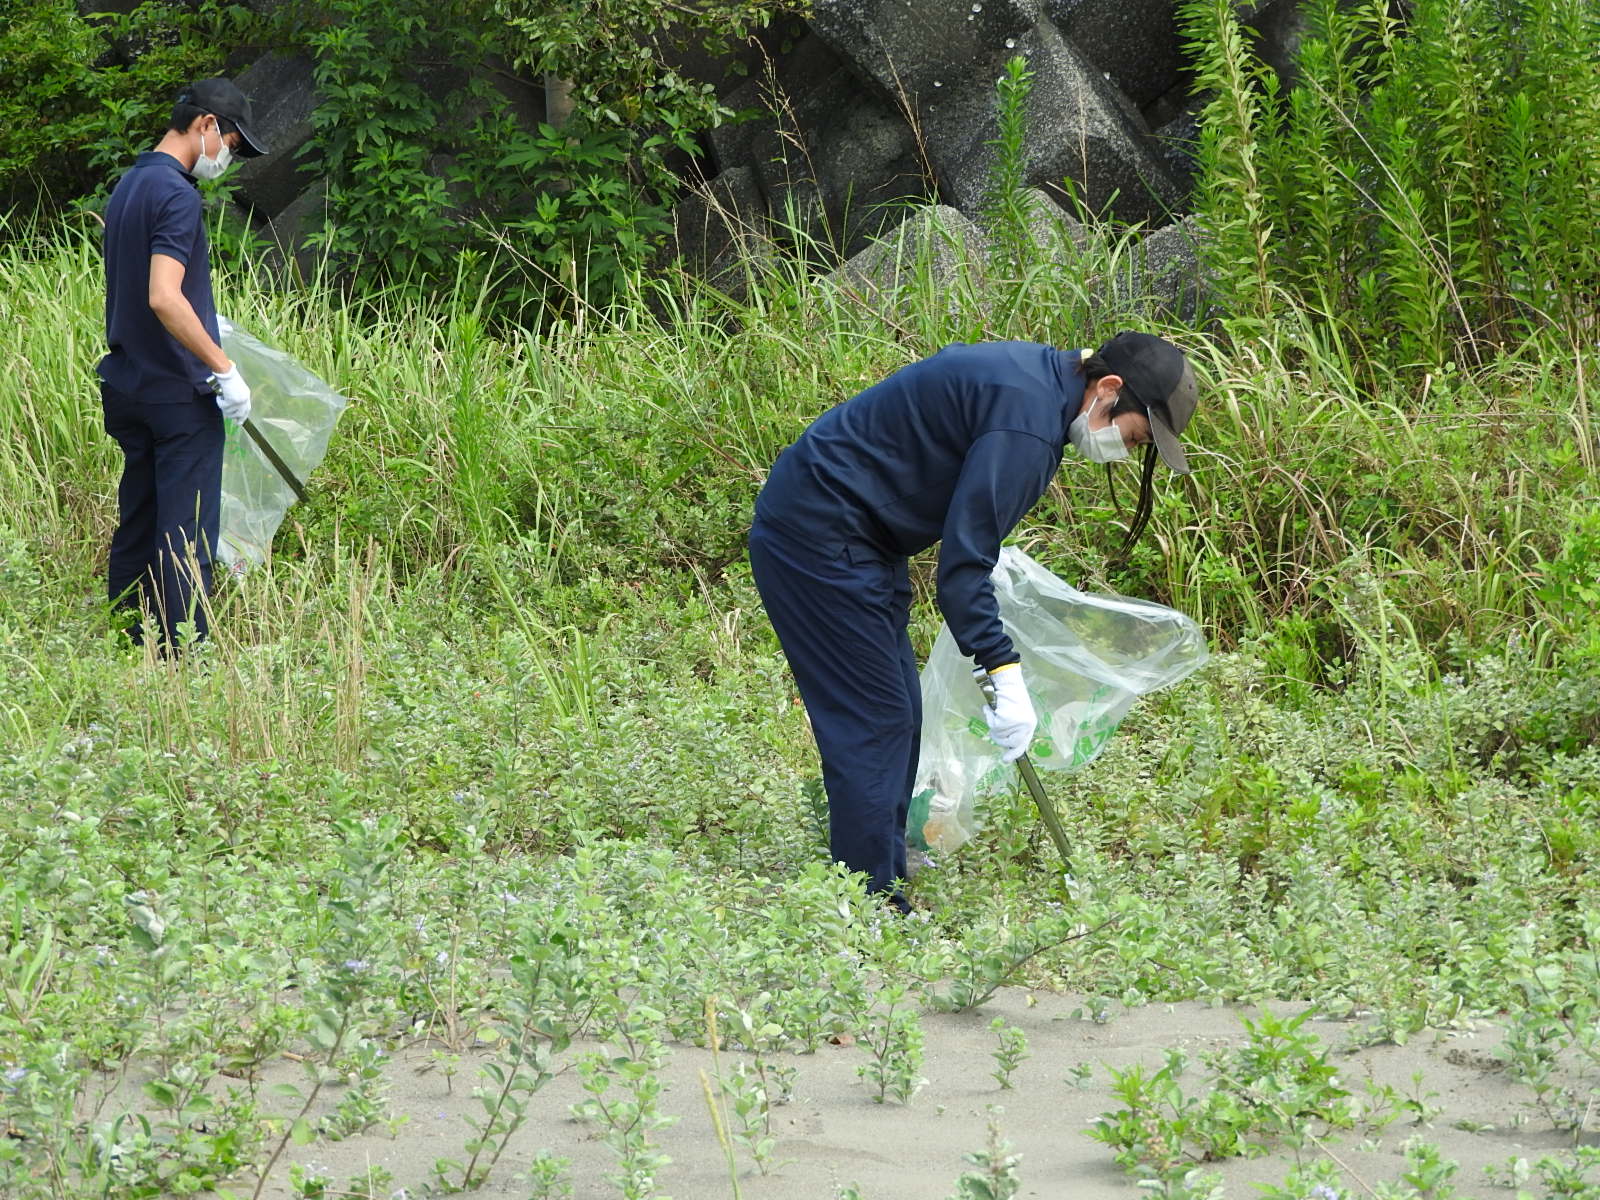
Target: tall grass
{"points": [[51, 305], [1426, 189], [1393, 395], [539, 480]]}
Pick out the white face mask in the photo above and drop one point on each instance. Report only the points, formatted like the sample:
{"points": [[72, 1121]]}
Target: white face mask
{"points": [[1097, 445], [207, 167]]}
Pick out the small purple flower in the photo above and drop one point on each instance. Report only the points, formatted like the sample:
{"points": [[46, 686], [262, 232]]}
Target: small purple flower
{"points": [[357, 966], [1324, 1192], [15, 1076]]}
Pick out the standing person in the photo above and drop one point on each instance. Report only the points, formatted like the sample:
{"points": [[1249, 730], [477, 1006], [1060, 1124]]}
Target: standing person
{"points": [[166, 383], [953, 449]]}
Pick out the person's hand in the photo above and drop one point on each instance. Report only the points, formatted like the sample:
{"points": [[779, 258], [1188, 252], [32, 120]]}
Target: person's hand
{"points": [[233, 394], [1011, 718]]}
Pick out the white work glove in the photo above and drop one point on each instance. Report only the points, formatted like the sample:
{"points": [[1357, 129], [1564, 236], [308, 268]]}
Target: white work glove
{"points": [[233, 394], [1011, 718]]}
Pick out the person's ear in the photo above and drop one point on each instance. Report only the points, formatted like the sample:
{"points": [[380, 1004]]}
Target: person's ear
{"points": [[1108, 385]]}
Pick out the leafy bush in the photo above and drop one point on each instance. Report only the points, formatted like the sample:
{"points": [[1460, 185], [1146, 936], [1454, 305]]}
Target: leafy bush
{"points": [[79, 96], [618, 56], [1276, 1085], [434, 178]]}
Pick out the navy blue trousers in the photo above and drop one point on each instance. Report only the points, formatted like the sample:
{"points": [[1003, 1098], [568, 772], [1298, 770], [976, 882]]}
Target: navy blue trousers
{"points": [[168, 506], [842, 621]]}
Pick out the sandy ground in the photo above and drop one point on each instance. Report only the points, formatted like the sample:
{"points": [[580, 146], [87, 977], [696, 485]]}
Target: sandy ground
{"points": [[833, 1133]]}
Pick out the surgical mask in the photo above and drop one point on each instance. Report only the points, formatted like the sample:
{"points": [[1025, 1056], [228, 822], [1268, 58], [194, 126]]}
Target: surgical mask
{"points": [[1097, 445], [207, 167]]}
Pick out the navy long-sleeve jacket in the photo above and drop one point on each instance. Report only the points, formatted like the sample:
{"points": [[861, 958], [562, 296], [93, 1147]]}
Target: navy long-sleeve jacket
{"points": [[953, 449]]}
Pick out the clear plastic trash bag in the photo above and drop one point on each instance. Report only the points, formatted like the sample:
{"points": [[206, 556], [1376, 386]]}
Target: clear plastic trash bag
{"points": [[295, 412], [1085, 659]]}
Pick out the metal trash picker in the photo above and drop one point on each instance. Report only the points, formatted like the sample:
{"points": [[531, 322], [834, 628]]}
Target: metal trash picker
{"points": [[1047, 810], [276, 460]]}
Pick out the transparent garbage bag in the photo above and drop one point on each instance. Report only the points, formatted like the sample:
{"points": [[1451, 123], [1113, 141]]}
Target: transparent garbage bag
{"points": [[295, 412], [1085, 658]]}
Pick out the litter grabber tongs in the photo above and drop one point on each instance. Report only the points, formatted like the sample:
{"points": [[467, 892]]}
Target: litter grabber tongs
{"points": [[271, 454], [1047, 811], [276, 459]]}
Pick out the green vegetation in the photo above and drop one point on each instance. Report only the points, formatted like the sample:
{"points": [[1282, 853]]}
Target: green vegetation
{"points": [[500, 745], [437, 177], [1425, 189], [80, 97], [1275, 1086]]}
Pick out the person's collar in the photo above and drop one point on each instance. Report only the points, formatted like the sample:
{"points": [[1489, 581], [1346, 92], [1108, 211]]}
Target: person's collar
{"points": [[1073, 386], [158, 158]]}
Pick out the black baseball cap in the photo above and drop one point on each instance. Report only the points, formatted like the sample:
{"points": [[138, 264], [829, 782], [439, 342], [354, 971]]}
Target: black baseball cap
{"points": [[222, 99], [1159, 377]]}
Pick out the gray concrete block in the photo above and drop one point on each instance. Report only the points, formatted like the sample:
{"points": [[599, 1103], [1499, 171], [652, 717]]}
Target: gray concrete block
{"points": [[1136, 42], [719, 229], [937, 245], [944, 68], [768, 92], [1279, 29], [838, 166], [283, 96], [287, 231], [1055, 235], [1167, 273]]}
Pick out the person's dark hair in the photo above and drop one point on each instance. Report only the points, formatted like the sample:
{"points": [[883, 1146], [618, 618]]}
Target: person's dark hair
{"points": [[1094, 368], [1141, 510], [183, 116]]}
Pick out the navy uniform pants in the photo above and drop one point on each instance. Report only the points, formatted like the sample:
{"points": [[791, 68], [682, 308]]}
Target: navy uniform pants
{"points": [[842, 621], [168, 506]]}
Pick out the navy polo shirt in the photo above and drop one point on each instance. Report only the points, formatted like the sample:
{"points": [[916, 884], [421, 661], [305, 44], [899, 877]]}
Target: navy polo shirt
{"points": [[154, 209], [953, 449]]}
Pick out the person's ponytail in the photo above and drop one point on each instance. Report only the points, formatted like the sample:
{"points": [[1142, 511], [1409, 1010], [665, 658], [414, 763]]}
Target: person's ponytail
{"points": [[1141, 509]]}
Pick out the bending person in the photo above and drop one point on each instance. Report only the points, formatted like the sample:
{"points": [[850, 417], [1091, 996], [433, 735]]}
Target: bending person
{"points": [[954, 449]]}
